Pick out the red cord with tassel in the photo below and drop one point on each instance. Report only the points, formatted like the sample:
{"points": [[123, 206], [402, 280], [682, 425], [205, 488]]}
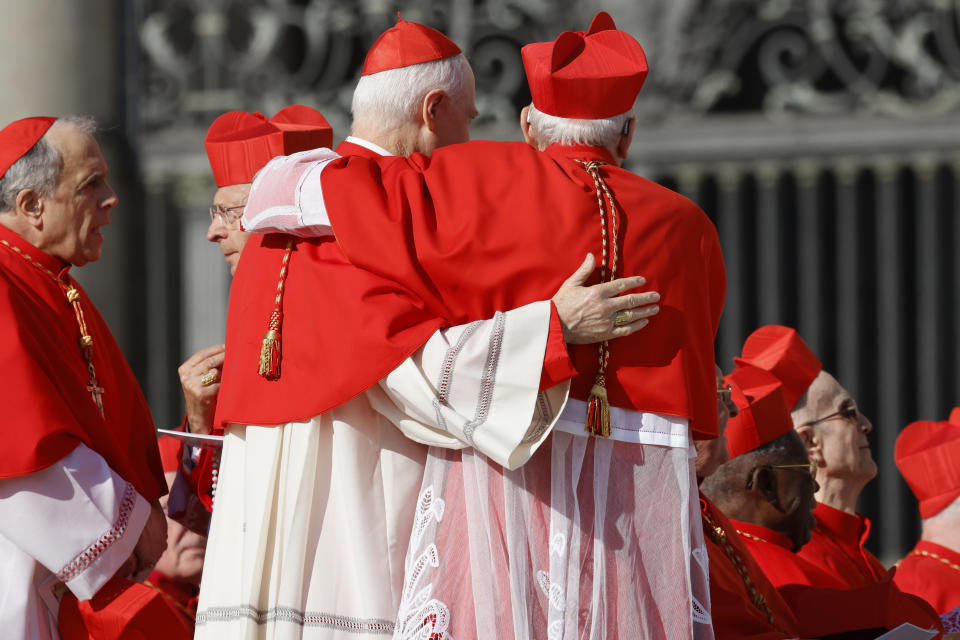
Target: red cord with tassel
{"points": [[270, 351]]}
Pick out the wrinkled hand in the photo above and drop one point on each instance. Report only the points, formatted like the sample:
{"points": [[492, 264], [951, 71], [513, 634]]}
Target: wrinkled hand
{"points": [[201, 400], [588, 313], [150, 546]]}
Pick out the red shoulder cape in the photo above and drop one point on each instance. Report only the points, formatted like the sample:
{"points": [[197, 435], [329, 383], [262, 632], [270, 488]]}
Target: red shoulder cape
{"points": [[343, 329], [47, 410], [488, 226]]}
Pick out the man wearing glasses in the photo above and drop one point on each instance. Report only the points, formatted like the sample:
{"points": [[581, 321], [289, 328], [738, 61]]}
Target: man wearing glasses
{"points": [[835, 433]]}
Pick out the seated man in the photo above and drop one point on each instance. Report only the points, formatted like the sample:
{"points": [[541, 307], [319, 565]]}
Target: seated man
{"points": [[177, 573], [835, 432], [928, 456], [766, 489]]}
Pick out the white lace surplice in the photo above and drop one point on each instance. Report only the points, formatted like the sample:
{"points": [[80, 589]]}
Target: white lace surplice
{"points": [[312, 519], [592, 538]]}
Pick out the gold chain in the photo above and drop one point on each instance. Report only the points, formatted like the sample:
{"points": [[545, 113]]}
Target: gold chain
{"points": [[952, 565], [73, 298], [716, 533]]}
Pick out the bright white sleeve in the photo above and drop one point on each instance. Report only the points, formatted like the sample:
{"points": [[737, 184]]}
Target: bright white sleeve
{"points": [[287, 197], [477, 385], [77, 518]]}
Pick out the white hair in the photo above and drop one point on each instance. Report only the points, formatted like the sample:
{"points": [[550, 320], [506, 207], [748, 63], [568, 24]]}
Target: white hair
{"points": [[601, 132], [39, 168], [390, 99]]}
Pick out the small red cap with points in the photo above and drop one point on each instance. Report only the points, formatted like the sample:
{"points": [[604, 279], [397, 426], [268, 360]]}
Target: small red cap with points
{"points": [[589, 74], [239, 144], [763, 415]]}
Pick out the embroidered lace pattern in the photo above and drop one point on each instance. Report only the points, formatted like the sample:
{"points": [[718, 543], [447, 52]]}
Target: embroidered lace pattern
{"points": [[89, 555], [301, 618], [951, 621], [489, 377], [541, 421], [700, 613], [446, 373], [422, 617]]}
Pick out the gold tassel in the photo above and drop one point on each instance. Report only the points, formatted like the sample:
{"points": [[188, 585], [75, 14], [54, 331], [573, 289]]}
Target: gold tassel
{"points": [[598, 409], [270, 355]]}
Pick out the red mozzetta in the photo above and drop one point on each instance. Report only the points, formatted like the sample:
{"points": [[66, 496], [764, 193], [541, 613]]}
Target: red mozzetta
{"points": [[47, 406], [487, 226]]}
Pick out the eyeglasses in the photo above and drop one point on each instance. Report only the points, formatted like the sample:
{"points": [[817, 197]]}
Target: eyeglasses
{"points": [[809, 467], [226, 215], [851, 413], [725, 393]]}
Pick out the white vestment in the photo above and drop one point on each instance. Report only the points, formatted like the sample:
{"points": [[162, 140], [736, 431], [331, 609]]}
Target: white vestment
{"points": [[73, 523], [312, 519]]}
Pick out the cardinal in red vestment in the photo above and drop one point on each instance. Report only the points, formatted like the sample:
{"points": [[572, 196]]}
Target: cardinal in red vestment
{"points": [[80, 446]]}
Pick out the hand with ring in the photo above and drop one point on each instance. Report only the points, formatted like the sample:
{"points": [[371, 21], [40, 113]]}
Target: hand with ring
{"points": [[200, 379], [603, 311]]}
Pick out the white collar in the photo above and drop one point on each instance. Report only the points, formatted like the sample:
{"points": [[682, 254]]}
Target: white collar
{"points": [[368, 145]]}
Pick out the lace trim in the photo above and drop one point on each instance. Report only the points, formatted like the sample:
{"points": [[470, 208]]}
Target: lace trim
{"points": [[951, 621], [295, 616], [542, 420], [489, 377], [89, 555], [450, 362], [420, 616], [701, 614]]}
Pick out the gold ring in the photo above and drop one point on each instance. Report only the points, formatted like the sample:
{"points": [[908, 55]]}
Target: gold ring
{"points": [[621, 319], [209, 377]]}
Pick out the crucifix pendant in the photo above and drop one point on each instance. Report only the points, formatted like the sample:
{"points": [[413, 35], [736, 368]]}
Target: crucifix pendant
{"points": [[95, 392]]}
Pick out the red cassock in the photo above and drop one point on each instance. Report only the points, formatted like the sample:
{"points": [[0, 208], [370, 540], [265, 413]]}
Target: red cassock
{"points": [[342, 325], [47, 409], [735, 615], [932, 572], [774, 553], [837, 547], [486, 226], [122, 610]]}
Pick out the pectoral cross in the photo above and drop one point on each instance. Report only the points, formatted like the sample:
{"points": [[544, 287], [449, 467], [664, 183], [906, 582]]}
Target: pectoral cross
{"points": [[95, 392]]}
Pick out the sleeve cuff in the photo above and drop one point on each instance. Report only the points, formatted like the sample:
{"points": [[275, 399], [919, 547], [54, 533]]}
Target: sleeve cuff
{"points": [[557, 365]]}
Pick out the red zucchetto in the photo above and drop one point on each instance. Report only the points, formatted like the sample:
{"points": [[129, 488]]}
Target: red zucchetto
{"points": [[928, 456], [18, 137], [407, 43], [239, 144], [782, 352], [763, 415], [587, 75]]}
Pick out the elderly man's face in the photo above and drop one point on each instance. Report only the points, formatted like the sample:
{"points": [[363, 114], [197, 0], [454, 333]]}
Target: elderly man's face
{"points": [[183, 558], [841, 430], [224, 229], [80, 205], [796, 488]]}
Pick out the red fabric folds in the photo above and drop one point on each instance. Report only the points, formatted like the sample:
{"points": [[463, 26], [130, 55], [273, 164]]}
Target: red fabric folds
{"points": [[46, 406], [487, 226]]}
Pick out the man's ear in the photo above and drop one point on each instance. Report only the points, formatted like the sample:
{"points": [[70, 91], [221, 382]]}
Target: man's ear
{"points": [[626, 137], [812, 442], [762, 484], [431, 106], [29, 205], [525, 127]]}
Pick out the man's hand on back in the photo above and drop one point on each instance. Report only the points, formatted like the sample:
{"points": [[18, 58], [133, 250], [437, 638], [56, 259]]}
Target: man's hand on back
{"points": [[588, 314]]}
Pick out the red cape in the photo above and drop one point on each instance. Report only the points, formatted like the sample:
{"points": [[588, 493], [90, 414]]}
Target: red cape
{"points": [[122, 610], [774, 554], [935, 579], [343, 329], [47, 410], [487, 226], [837, 547]]}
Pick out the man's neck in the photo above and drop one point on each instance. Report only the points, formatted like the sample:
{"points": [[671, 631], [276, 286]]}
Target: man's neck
{"points": [[944, 530], [840, 493], [396, 143]]}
